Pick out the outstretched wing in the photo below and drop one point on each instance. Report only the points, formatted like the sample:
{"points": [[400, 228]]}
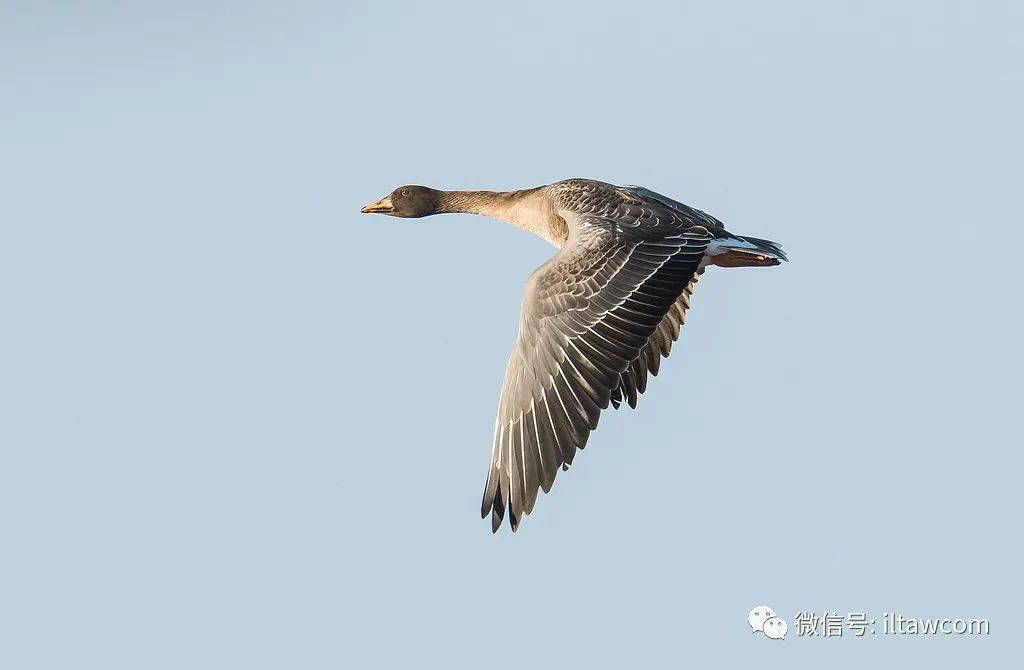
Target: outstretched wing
{"points": [[633, 380], [586, 315]]}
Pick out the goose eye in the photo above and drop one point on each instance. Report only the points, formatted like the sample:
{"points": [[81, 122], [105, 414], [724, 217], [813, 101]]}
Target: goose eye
{"points": [[405, 191]]}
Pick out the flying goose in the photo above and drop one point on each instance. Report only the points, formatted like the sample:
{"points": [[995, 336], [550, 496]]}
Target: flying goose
{"points": [[596, 317]]}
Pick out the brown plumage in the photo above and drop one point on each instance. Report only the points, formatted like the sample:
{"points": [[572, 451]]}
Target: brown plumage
{"points": [[596, 319]]}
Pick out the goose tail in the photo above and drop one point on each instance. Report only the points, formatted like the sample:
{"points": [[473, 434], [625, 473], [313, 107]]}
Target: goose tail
{"points": [[740, 251]]}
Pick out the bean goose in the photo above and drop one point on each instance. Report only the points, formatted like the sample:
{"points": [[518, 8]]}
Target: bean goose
{"points": [[596, 318]]}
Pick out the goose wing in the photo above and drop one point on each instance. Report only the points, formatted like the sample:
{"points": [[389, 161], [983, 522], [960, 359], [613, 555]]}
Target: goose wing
{"points": [[586, 315], [633, 380]]}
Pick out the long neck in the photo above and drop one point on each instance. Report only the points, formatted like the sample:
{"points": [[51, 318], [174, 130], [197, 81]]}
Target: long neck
{"points": [[523, 209], [495, 204]]}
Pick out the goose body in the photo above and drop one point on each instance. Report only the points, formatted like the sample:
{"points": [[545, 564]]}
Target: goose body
{"points": [[596, 318]]}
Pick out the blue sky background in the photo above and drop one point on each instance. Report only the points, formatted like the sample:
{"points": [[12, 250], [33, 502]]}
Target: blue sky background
{"points": [[244, 426]]}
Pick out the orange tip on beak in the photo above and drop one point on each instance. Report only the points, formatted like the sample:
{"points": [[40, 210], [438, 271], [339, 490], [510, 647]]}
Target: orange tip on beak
{"points": [[382, 206]]}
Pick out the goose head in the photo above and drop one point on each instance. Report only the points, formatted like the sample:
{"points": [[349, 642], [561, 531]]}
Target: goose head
{"points": [[408, 202]]}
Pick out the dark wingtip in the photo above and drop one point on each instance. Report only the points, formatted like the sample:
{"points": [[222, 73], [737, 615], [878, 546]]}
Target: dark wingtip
{"points": [[485, 506], [495, 507]]}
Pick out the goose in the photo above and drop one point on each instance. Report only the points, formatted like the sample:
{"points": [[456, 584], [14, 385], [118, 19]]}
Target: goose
{"points": [[596, 318]]}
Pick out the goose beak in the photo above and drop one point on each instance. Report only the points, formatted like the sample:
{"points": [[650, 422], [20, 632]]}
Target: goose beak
{"points": [[382, 206]]}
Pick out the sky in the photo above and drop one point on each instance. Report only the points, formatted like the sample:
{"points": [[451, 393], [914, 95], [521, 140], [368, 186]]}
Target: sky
{"points": [[242, 425]]}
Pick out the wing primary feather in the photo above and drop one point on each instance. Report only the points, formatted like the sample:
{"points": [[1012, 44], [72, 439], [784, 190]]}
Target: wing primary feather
{"points": [[596, 320]]}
